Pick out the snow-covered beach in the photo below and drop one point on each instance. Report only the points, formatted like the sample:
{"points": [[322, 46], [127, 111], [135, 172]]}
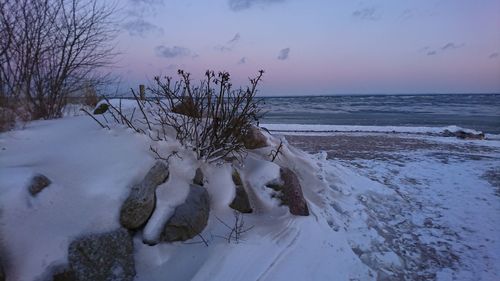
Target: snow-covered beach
{"points": [[443, 220], [387, 206], [249, 140]]}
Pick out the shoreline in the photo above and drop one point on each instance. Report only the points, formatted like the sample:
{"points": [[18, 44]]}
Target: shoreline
{"points": [[323, 129]]}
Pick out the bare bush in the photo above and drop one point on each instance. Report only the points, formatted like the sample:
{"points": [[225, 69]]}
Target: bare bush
{"points": [[49, 49], [213, 118], [7, 119], [211, 121], [90, 97]]}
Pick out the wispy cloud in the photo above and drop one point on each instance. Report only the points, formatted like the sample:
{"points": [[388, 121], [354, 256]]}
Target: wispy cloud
{"points": [[229, 45], [243, 60], [235, 39], [368, 13], [283, 55], [445, 48], [142, 28], [238, 5], [143, 8], [147, 2], [494, 55], [452, 46], [222, 48], [173, 52], [407, 14]]}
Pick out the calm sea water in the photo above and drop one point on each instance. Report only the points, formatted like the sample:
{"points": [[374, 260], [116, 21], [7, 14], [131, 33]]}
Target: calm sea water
{"points": [[474, 111]]}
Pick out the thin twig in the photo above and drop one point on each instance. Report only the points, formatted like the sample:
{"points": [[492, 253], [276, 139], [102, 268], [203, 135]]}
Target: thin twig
{"points": [[92, 116]]}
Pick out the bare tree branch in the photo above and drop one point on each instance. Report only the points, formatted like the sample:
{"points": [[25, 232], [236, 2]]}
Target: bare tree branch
{"points": [[50, 49]]}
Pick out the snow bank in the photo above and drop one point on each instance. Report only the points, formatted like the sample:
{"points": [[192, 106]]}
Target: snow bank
{"points": [[92, 170], [90, 176]]}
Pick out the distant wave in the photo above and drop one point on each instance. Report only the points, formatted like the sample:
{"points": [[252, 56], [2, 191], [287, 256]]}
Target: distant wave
{"points": [[311, 129]]}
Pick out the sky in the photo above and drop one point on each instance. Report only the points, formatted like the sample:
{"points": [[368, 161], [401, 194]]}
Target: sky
{"points": [[316, 47]]}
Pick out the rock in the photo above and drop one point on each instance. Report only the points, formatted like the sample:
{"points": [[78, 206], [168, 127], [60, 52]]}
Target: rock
{"points": [[38, 183], [198, 177], [102, 108], [190, 218], [141, 201], [103, 257], [254, 138], [469, 136], [64, 275], [59, 272], [236, 177], [240, 202], [291, 192], [460, 134]]}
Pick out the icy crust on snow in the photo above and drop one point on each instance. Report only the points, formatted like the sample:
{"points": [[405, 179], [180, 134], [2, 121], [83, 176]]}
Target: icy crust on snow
{"points": [[326, 129]]}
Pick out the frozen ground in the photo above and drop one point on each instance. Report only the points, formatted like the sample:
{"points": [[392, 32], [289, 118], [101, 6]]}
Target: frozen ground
{"points": [[443, 220]]}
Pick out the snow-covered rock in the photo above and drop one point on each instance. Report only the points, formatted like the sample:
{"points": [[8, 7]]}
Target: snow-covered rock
{"points": [[189, 218], [240, 202], [140, 203], [38, 183], [291, 192], [255, 139], [103, 257]]}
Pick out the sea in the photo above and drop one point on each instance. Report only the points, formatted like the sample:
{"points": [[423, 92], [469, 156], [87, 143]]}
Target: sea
{"points": [[480, 112]]}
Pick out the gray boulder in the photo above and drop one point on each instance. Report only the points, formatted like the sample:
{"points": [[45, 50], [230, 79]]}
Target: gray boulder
{"points": [[38, 183], [291, 192], [102, 257], [141, 201], [254, 138], [240, 202], [190, 218]]}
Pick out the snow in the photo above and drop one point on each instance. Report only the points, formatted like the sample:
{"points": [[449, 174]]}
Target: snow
{"points": [[86, 166], [220, 186], [425, 213], [170, 194], [256, 174], [369, 218]]}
